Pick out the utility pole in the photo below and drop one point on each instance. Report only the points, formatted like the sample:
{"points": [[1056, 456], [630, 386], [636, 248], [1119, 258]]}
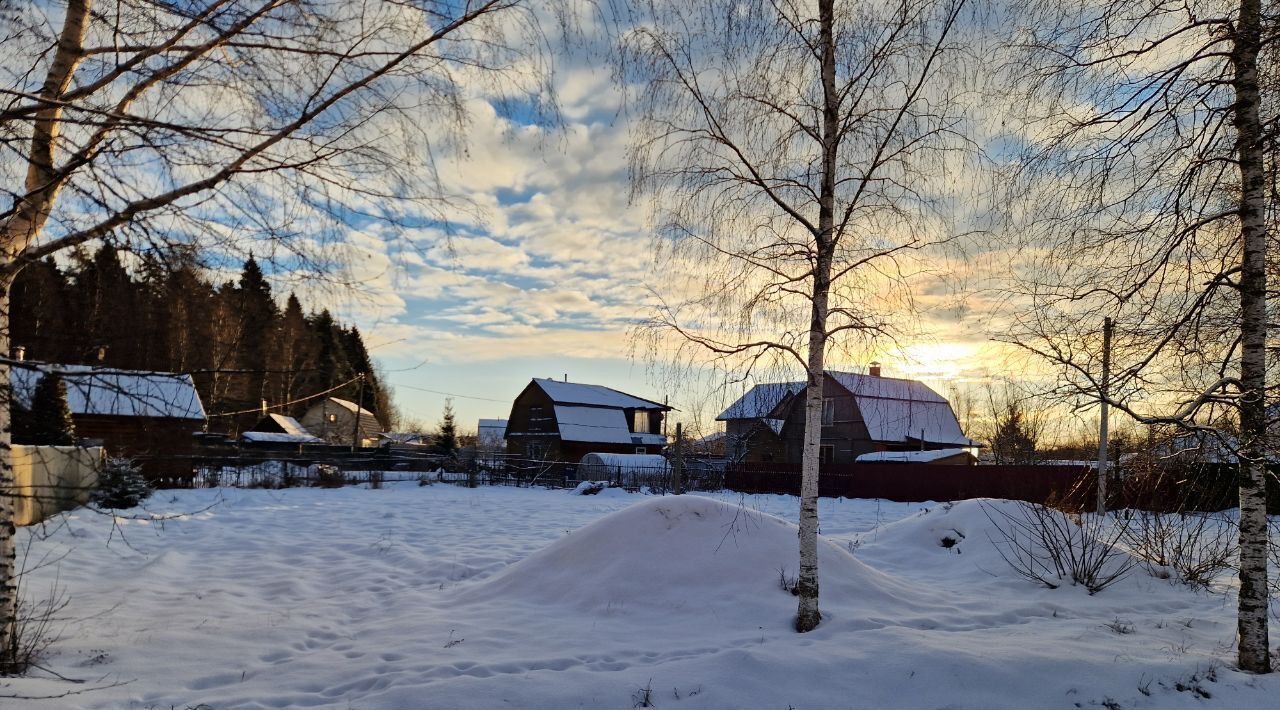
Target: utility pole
{"points": [[677, 468], [1104, 391], [355, 428]]}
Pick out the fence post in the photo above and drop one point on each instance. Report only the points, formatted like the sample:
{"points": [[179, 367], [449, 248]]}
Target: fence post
{"points": [[677, 468]]}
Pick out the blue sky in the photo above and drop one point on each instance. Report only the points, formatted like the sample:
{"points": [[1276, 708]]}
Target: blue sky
{"points": [[551, 274]]}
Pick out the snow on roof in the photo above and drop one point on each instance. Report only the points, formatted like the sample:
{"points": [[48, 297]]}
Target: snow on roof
{"points": [[492, 424], [289, 425], [350, 406], [115, 392], [593, 395], [910, 456], [279, 438], [886, 387], [760, 400], [599, 425], [895, 410]]}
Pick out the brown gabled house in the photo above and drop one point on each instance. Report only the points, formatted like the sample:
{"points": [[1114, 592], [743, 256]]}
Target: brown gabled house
{"points": [[563, 421], [861, 414], [149, 416]]}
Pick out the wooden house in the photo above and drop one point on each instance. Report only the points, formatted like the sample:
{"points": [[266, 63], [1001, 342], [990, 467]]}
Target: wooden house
{"points": [[861, 414], [563, 421], [339, 421], [149, 416]]}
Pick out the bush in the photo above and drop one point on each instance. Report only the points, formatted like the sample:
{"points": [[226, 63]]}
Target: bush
{"points": [[120, 484], [1196, 546], [1047, 546]]}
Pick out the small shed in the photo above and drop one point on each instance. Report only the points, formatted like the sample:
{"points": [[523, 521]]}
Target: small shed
{"points": [[279, 429], [945, 457], [625, 469]]}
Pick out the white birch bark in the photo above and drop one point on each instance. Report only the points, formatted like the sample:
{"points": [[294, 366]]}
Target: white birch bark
{"points": [[808, 615], [17, 233], [1253, 653]]}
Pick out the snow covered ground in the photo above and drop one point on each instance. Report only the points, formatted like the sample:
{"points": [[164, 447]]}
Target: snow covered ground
{"points": [[444, 597]]}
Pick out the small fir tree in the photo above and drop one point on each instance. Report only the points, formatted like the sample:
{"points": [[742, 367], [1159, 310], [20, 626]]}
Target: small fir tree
{"points": [[446, 442], [120, 485], [49, 419]]}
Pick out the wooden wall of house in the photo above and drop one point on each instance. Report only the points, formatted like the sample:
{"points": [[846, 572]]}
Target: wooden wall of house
{"points": [[847, 433], [761, 444], [163, 447]]}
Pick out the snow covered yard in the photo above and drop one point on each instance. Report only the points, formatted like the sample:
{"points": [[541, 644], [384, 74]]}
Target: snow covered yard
{"points": [[444, 597]]}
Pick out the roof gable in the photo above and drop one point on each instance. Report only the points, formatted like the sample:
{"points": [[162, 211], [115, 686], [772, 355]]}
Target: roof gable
{"points": [[599, 425], [761, 400], [114, 392], [593, 395], [894, 410]]}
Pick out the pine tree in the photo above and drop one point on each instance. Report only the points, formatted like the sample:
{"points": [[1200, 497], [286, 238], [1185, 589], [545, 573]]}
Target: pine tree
{"points": [[1014, 442], [121, 485], [49, 417], [295, 352], [256, 332], [106, 297], [358, 357], [446, 440], [41, 313]]}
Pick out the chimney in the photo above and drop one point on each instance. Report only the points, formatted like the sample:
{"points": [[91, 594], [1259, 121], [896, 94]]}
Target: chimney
{"points": [[874, 369], [566, 377], [20, 353]]}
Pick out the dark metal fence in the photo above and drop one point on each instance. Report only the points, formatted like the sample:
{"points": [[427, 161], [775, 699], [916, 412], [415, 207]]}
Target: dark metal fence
{"points": [[910, 482]]}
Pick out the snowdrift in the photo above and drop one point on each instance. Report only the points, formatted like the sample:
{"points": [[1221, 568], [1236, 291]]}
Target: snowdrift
{"points": [[964, 538], [688, 556]]}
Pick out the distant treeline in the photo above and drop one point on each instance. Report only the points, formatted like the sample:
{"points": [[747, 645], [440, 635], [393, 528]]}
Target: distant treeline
{"points": [[235, 340]]}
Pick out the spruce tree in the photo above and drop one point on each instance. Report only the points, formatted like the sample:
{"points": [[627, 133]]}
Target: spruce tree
{"points": [[40, 312], [50, 418], [446, 440], [255, 333]]}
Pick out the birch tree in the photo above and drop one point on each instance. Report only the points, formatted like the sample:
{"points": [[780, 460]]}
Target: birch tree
{"points": [[229, 126], [792, 152], [1146, 190]]}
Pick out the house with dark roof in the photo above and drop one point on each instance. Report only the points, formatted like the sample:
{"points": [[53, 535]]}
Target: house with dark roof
{"points": [[861, 414], [553, 420], [149, 416]]}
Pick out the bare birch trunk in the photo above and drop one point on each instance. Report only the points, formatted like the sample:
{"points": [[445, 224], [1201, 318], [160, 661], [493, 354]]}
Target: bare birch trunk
{"points": [[808, 615], [16, 234], [8, 532], [1252, 617]]}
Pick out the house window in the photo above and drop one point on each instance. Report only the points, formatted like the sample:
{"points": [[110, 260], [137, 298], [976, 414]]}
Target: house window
{"points": [[828, 411], [640, 422], [536, 450], [826, 453], [641, 450], [333, 418]]}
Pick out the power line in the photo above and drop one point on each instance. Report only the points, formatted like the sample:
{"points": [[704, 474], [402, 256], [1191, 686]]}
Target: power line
{"points": [[286, 404], [451, 394]]}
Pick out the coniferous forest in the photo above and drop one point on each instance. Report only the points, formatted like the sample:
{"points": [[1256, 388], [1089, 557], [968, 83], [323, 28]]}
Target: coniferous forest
{"points": [[238, 340]]}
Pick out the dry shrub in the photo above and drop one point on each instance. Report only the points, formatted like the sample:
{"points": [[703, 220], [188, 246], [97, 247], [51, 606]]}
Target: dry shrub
{"points": [[1195, 546], [1050, 547]]}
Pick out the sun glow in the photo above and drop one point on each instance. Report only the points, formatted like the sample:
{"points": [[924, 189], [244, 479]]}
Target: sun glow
{"points": [[948, 362]]}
